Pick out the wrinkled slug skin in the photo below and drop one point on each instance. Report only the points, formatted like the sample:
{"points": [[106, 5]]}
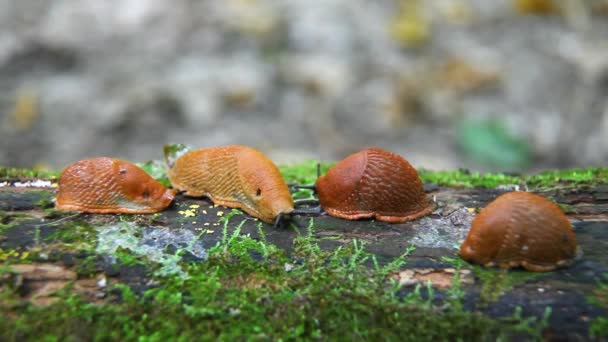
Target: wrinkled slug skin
{"points": [[520, 229], [107, 185], [234, 176], [373, 183]]}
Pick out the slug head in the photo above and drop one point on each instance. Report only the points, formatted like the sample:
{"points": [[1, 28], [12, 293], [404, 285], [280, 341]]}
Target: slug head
{"points": [[140, 190], [482, 243], [263, 186]]}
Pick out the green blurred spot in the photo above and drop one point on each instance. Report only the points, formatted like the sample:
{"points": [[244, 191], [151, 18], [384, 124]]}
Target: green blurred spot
{"points": [[157, 170], [489, 144], [173, 151]]}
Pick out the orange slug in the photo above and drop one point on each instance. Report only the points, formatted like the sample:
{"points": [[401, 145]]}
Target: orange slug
{"points": [[233, 176], [373, 183], [520, 229], [108, 185]]}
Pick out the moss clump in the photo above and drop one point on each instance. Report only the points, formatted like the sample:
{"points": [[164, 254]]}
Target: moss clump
{"points": [[576, 177], [462, 178], [9, 220], [157, 170], [304, 173], [77, 235], [496, 282], [599, 326], [547, 179], [11, 172], [251, 289]]}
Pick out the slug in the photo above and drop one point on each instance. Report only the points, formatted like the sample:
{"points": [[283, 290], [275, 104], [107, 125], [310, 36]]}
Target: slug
{"points": [[233, 176], [373, 183], [107, 185], [520, 229]]}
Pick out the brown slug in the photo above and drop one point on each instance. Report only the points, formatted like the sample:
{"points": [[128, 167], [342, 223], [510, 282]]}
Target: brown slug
{"points": [[233, 176], [108, 185], [373, 183], [520, 229]]}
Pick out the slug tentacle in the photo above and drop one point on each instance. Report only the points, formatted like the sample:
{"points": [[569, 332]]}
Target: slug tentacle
{"points": [[520, 229], [233, 176], [107, 185], [373, 183]]}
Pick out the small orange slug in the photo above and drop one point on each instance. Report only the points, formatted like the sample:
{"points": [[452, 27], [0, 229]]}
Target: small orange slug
{"points": [[233, 176], [108, 185], [520, 229], [373, 183]]}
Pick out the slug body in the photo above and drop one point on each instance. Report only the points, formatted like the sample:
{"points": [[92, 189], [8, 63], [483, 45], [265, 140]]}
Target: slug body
{"points": [[107, 185], [234, 176], [373, 183], [520, 229]]}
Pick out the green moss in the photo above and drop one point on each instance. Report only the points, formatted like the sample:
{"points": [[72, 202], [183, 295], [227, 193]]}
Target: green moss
{"points": [[314, 294], [9, 220], [461, 178], [11, 172], [157, 169], [599, 326], [566, 208], [589, 176], [46, 201], [77, 235], [304, 173], [496, 282], [87, 266]]}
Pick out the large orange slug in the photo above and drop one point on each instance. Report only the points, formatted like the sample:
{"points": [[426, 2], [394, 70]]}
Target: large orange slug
{"points": [[107, 185], [520, 229], [373, 183], [233, 176]]}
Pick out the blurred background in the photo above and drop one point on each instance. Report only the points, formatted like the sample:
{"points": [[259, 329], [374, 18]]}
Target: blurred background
{"points": [[490, 85]]}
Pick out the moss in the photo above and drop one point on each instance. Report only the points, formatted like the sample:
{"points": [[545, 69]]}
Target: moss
{"points": [[11, 172], [77, 235], [9, 220], [577, 177], [46, 201], [157, 169], [599, 326], [496, 282], [87, 266], [314, 294], [566, 208], [304, 173], [463, 178]]}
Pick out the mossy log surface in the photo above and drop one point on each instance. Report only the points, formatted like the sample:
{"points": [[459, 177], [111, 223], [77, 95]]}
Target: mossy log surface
{"points": [[46, 248]]}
